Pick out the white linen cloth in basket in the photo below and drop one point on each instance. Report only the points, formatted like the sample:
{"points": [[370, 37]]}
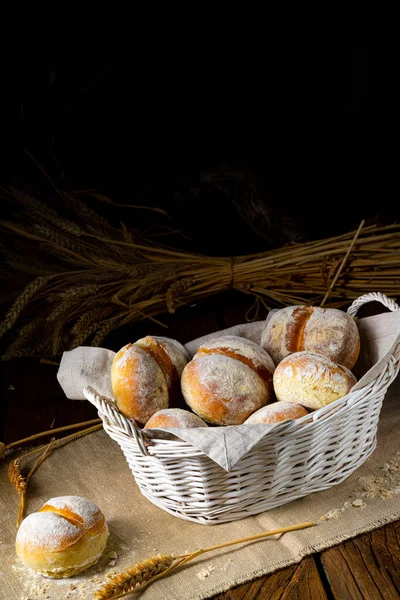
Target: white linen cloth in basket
{"points": [[218, 474]]}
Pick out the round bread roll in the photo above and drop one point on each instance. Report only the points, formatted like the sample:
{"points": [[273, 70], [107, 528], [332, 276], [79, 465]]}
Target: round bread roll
{"points": [[67, 535], [327, 331], [311, 379], [276, 412], [174, 417], [145, 376], [227, 380]]}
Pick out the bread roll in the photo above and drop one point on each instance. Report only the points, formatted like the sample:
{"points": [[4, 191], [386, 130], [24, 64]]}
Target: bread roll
{"points": [[276, 412], [327, 331], [312, 380], [145, 376], [67, 535], [174, 417], [227, 380]]}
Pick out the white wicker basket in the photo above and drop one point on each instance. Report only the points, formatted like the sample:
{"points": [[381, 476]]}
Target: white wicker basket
{"points": [[293, 460]]}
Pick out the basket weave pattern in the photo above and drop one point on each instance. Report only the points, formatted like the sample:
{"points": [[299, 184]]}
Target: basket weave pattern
{"points": [[293, 460]]}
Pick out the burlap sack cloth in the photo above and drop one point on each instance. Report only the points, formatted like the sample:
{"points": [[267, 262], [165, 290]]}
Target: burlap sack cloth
{"points": [[95, 467]]}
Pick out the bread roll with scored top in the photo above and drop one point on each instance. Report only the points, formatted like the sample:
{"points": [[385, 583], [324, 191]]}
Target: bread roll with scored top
{"points": [[67, 535], [312, 380], [327, 331], [277, 412], [174, 417], [227, 380], [145, 376]]}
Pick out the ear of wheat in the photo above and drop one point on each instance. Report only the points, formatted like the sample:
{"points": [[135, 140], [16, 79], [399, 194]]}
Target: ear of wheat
{"points": [[84, 277], [146, 572]]}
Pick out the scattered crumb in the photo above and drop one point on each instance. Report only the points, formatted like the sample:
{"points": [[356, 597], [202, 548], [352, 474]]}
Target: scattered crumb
{"points": [[224, 568], [358, 503], [205, 572], [112, 563], [112, 554], [331, 514], [383, 486], [335, 513]]}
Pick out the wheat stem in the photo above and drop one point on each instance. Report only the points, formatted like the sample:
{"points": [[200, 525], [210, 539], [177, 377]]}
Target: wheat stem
{"points": [[130, 580], [342, 263], [51, 432], [37, 464]]}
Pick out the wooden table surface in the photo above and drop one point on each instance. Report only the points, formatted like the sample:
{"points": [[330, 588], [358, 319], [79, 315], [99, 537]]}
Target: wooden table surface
{"points": [[365, 567]]}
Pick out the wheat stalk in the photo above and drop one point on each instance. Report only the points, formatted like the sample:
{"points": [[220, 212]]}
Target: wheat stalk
{"points": [[51, 432], [134, 281], [21, 482], [15, 476], [43, 212], [143, 572], [29, 292], [146, 572]]}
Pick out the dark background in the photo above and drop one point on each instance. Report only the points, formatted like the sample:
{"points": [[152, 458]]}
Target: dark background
{"points": [[246, 149]]}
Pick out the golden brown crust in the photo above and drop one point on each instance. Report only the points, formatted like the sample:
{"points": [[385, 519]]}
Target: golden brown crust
{"points": [[277, 412], [227, 380], [139, 384], [260, 369], [296, 326], [77, 520], [174, 417], [158, 350], [327, 331], [145, 376], [311, 379], [64, 537]]}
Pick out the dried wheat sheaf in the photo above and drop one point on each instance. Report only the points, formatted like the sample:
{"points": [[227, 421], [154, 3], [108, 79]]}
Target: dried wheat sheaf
{"points": [[85, 277]]}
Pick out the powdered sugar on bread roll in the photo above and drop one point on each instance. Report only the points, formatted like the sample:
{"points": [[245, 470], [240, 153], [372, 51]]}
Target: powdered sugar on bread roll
{"points": [[311, 379], [174, 417], [277, 412], [145, 376], [227, 380], [67, 535], [327, 331]]}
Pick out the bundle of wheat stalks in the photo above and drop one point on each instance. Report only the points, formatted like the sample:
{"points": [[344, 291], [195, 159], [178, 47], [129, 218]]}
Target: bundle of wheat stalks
{"points": [[88, 277]]}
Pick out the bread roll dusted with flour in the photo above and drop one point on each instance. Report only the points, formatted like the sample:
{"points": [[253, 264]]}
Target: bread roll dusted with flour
{"points": [[227, 380], [67, 535], [277, 412], [174, 417], [327, 331], [145, 376], [312, 380]]}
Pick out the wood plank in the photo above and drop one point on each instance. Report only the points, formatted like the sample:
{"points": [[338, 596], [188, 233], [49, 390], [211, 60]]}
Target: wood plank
{"points": [[306, 583], [298, 582], [269, 587], [366, 567]]}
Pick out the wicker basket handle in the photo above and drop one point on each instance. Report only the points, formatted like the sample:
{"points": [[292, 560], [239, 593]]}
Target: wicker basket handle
{"points": [[110, 414], [372, 296]]}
